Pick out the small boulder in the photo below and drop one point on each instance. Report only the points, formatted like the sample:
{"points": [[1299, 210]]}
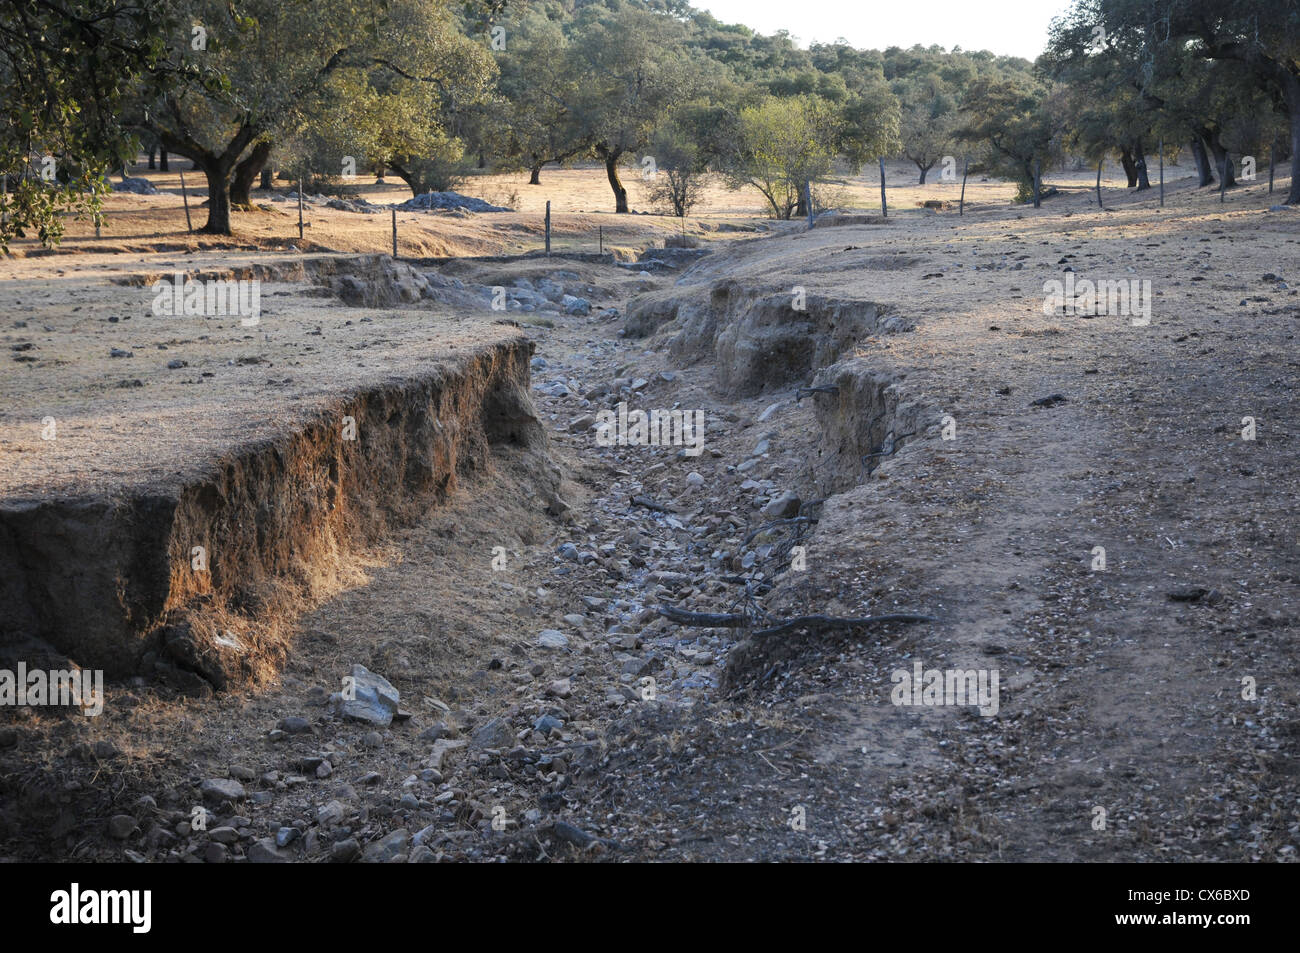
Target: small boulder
{"points": [[373, 699], [553, 639], [222, 789], [784, 506]]}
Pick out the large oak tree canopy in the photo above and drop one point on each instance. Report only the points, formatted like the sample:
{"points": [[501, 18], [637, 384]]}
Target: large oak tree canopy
{"points": [[1260, 40], [66, 69]]}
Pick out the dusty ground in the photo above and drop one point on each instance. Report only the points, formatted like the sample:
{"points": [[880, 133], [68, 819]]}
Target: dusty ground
{"points": [[581, 205], [1121, 689], [137, 397]]}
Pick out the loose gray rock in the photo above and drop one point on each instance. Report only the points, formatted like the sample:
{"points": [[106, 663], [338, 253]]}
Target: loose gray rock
{"points": [[784, 506], [343, 851], [222, 789], [548, 725], [375, 701], [265, 852], [136, 186], [386, 848], [441, 748], [578, 306], [494, 733], [568, 833], [553, 639], [224, 835], [331, 814], [447, 202], [435, 731]]}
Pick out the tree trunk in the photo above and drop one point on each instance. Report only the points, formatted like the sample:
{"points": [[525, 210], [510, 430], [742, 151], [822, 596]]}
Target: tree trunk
{"points": [[153, 150], [245, 172], [1028, 166], [268, 179], [1204, 174], [482, 161], [1140, 166], [1130, 167], [162, 160], [1221, 161], [218, 176], [801, 206], [924, 169], [1291, 90], [412, 179], [1282, 148], [535, 174], [611, 158]]}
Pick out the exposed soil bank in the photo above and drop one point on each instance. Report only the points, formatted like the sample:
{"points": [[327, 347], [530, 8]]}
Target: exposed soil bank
{"points": [[865, 415], [759, 339], [184, 570]]}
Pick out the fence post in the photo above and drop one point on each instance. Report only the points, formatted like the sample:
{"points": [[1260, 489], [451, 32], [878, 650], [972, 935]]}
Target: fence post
{"points": [[1100, 163], [185, 197], [548, 226], [600, 232], [394, 233], [1271, 151], [884, 206], [300, 178], [961, 207], [807, 191], [1038, 183]]}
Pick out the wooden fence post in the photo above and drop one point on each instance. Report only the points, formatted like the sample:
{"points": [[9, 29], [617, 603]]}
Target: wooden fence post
{"points": [[884, 205], [394, 233], [548, 226], [300, 181], [1100, 163], [189, 226], [961, 208]]}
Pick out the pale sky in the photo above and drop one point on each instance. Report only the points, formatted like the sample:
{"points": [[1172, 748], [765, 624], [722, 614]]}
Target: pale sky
{"points": [[1008, 27]]}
